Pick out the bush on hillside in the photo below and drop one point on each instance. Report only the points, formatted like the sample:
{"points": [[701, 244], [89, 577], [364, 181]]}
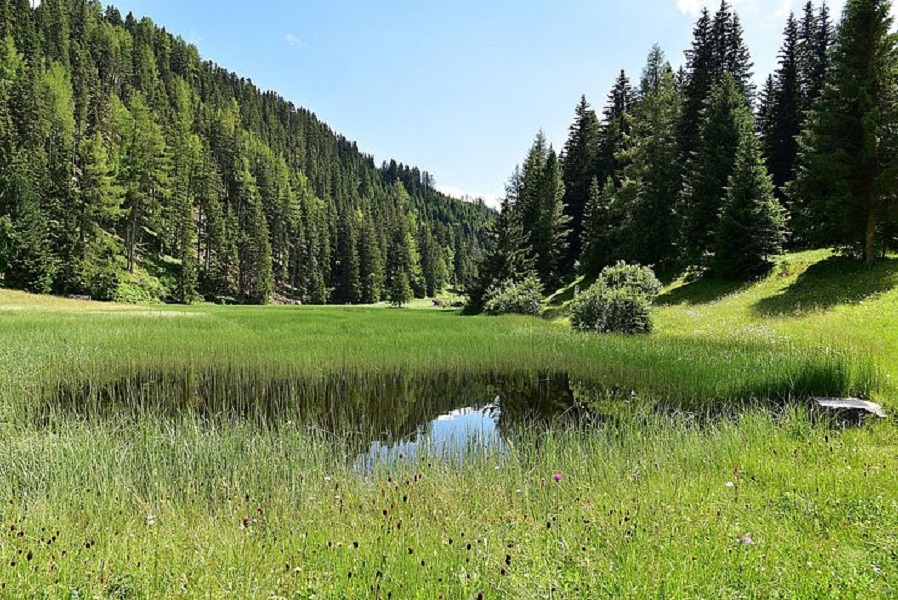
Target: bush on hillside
{"points": [[619, 302], [636, 277], [523, 297], [603, 309]]}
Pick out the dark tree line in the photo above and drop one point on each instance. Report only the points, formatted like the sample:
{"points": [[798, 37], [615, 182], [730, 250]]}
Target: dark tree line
{"points": [[695, 170], [132, 169]]}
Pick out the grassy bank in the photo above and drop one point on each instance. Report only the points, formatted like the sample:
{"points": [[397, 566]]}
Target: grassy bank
{"points": [[176, 505]]}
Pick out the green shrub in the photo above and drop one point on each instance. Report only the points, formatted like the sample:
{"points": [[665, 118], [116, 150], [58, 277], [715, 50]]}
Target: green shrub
{"points": [[603, 309], [139, 288], [618, 302], [636, 277], [518, 297]]}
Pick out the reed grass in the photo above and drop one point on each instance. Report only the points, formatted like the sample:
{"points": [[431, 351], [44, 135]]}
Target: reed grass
{"points": [[161, 500]]}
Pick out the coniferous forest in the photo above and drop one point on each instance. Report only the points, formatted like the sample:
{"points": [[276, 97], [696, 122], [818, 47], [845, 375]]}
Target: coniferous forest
{"points": [[695, 170], [131, 169]]}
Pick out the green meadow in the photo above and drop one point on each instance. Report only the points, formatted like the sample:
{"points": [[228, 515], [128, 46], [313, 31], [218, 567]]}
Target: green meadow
{"points": [[703, 474]]}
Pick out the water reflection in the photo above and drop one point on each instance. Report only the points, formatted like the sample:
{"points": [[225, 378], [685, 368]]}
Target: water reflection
{"points": [[381, 417]]}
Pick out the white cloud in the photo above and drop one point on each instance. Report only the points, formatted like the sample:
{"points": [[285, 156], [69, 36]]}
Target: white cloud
{"points": [[35, 3], [689, 7], [493, 200], [293, 41]]}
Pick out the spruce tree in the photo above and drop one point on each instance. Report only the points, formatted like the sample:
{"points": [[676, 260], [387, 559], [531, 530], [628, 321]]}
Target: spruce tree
{"points": [[32, 266], [580, 162], [599, 228], [508, 257], [752, 222], [718, 49], [786, 111], [815, 34], [727, 115], [101, 200], [653, 175], [848, 173], [348, 274], [549, 238], [615, 130], [371, 264]]}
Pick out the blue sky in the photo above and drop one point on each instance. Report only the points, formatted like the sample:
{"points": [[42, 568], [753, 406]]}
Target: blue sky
{"points": [[456, 88]]}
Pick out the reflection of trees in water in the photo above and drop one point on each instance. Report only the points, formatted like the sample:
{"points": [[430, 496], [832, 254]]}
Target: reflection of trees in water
{"points": [[363, 408], [527, 401]]}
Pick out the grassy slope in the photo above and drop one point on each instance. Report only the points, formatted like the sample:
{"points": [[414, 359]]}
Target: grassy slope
{"points": [[185, 509]]}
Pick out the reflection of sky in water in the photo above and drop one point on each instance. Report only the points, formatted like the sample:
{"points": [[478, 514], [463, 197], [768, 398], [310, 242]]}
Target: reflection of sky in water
{"points": [[449, 435]]}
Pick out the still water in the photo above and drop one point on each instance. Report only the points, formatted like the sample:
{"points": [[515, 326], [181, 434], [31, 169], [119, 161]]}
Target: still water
{"points": [[379, 417]]}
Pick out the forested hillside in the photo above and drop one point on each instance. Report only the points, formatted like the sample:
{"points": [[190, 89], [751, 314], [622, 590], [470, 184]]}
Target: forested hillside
{"points": [[131, 169], [694, 169]]}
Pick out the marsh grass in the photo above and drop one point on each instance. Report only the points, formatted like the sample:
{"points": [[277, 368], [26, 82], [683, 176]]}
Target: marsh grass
{"points": [[182, 508], [150, 452]]}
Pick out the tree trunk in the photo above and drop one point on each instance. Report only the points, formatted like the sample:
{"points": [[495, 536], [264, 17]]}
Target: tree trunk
{"points": [[870, 239]]}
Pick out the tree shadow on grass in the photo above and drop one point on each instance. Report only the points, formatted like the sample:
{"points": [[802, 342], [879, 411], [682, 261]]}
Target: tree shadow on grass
{"points": [[701, 291], [834, 282], [557, 303]]}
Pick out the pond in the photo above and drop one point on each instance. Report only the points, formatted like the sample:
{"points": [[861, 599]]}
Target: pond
{"points": [[380, 417]]}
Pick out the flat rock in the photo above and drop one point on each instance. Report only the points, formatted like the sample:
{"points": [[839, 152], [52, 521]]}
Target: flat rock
{"points": [[851, 406]]}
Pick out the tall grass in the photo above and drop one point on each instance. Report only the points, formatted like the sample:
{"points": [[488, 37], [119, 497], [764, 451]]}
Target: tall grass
{"points": [[150, 452], [251, 346], [184, 508]]}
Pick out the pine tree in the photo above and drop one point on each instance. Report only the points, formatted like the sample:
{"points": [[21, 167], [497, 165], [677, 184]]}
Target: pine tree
{"points": [[433, 265], [508, 257], [33, 266], [348, 278], [580, 162], [698, 79], [529, 195], [752, 223], [815, 35], [786, 111], [764, 117], [653, 176], [549, 239], [849, 154], [101, 199], [599, 228], [615, 130], [371, 264], [727, 115], [718, 49], [146, 177], [253, 246]]}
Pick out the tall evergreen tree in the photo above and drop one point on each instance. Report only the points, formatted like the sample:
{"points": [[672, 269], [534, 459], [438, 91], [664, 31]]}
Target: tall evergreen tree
{"points": [[653, 175], [718, 49], [815, 34], [599, 229], [348, 274], [146, 177], [371, 264], [752, 222], [508, 257], [101, 201], [580, 160], [848, 173], [32, 265], [615, 129], [727, 116], [550, 236], [785, 111]]}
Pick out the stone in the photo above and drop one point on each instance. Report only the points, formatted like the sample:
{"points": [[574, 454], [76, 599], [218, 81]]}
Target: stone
{"points": [[850, 409]]}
